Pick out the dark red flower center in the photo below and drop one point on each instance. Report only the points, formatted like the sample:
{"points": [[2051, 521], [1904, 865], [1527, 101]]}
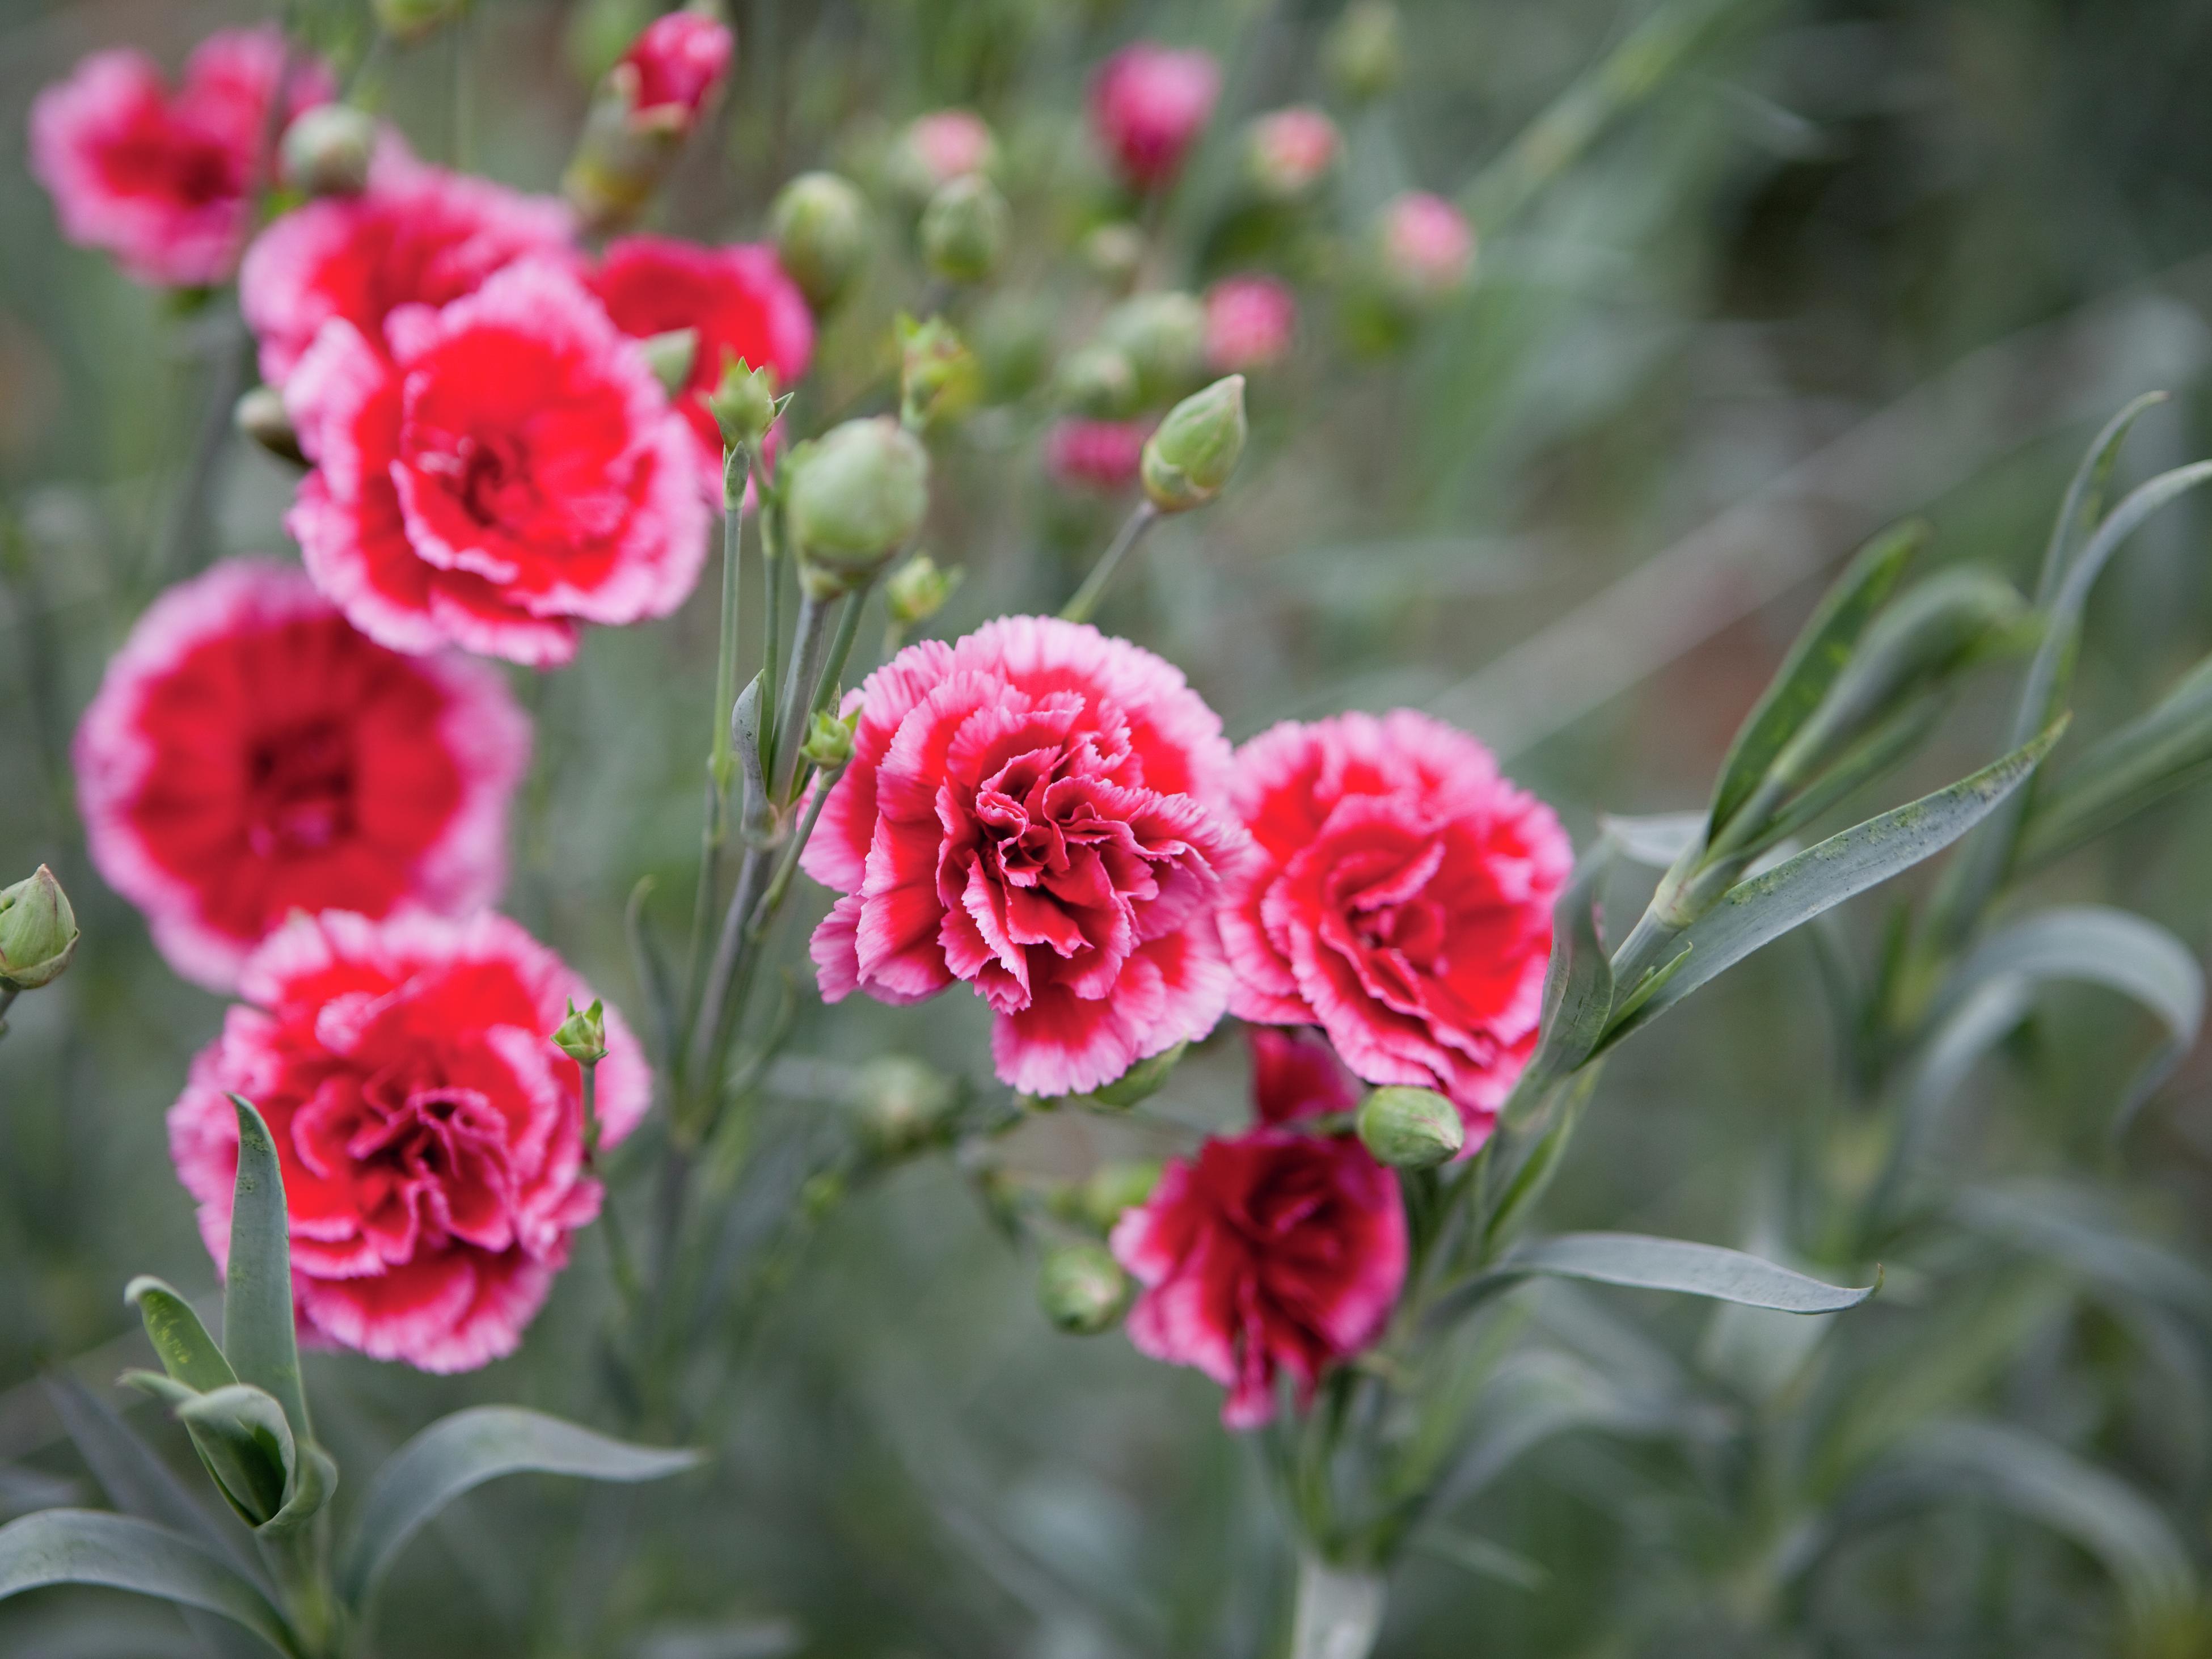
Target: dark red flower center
{"points": [[156, 158], [300, 784]]}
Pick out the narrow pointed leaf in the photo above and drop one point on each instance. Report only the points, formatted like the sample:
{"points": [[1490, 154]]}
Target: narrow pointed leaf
{"points": [[1657, 840], [258, 1333], [2084, 500], [652, 970], [1642, 1262], [249, 1445], [187, 1353], [1577, 991], [120, 1551], [2167, 749], [458, 1453]]}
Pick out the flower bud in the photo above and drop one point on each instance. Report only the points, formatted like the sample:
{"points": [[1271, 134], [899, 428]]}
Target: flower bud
{"points": [[1097, 379], [1287, 154], [937, 148], [1113, 251], [681, 59], [670, 355], [853, 497], [1165, 337], [964, 230], [408, 20], [644, 107], [1362, 52], [1410, 1128], [1012, 335], [904, 1104], [821, 227], [38, 932], [583, 1036], [918, 589], [326, 150], [1148, 106], [1427, 248], [1141, 1081], [1190, 457], [828, 742], [1081, 1288], [1112, 1188], [1249, 320], [261, 415], [743, 404], [939, 379]]}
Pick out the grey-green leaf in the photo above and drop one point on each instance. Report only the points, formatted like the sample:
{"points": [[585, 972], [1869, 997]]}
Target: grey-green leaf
{"points": [[2085, 495], [120, 1551], [242, 1432], [187, 1353], [461, 1452], [2169, 749], [1642, 1262], [259, 1336], [1577, 990]]}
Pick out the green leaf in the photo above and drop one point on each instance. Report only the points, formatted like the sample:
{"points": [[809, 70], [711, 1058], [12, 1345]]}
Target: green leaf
{"points": [[258, 1333], [1577, 990], [1483, 1558], [187, 1353], [1642, 1262], [2078, 1226], [1538, 1164], [120, 1551], [249, 1445], [2084, 502], [2169, 749], [458, 1453], [314, 1478], [651, 971], [1658, 840], [1760, 910]]}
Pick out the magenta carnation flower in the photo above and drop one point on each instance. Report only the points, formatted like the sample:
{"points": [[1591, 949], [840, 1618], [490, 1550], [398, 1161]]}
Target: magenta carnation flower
{"points": [[1098, 455], [1037, 810], [679, 58], [1248, 322], [1148, 106]]}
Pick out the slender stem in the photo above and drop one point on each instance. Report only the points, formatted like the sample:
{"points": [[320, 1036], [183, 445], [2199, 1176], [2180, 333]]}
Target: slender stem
{"points": [[1133, 530], [771, 619], [833, 665], [9, 993], [710, 1035], [618, 1253], [188, 510], [591, 1112], [722, 765], [788, 859], [807, 655]]}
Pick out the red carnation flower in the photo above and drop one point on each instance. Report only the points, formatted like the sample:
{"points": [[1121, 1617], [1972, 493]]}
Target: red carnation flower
{"points": [[1100, 455], [1400, 898], [1148, 106], [417, 235], [511, 468], [162, 181], [1036, 810], [680, 58], [431, 1135], [250, 754], [1248, 322], [737, 298], [1272, 1251]]}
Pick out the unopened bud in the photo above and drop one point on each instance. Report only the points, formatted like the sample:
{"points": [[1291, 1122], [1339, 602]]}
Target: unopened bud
{"points": [[583, 1036], [918, 589], [1112, 1188], [1190, 457], [855, 495], [326, 150], [1081, 1288], [262, 416], [1141, 1081], [904, 1104], [820, 222], [1113, 251], [1362, 52], [937, 148], [1426, 249], [1410, 1128], [408, 20], [644, 107], [939, 379], [670, 356], [828, 742], [964, 230], [1098, 380], [1165, 337], [38, 932], [1012, 337], [743, 404], [1287, 154]]}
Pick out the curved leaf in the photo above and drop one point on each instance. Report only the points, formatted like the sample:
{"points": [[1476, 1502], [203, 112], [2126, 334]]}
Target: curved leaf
{"points": [[2169, 749], [187, 1353], [259, 1336], [1643, 1262], [120, 1551], [242, 1433], [2085, 493], [458, 1453]]}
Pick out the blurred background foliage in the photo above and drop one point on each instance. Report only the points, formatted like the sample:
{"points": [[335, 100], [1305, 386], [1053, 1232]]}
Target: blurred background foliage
{"points": [[1851, 259]]}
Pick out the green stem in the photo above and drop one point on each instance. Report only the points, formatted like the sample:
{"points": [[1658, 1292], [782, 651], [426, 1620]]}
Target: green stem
{"points": [[788, 861], [1339, 1611], [771, 623], [722, 765], [9, 993], [182, 529], [1133, 530], [840, 648], [807, 655]]}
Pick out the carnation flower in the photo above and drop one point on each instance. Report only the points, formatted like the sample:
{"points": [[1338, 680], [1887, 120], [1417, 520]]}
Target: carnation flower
{"points": [[1248, 321], [509, 469], [250, 754], [417, 235], [942, 146], [1037, 810], [1400, 897], [1277, 1251], [1148, 105], [1428, 243], [738, 300], [1289, 150], [1103, 455], [680, 58], [162, 180], [430, 1134]]}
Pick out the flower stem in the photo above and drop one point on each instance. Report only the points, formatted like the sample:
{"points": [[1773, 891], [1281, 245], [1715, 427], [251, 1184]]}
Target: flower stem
{"points": [[721, 764], [1338, 1612], [788, 861], [9, 993], [183, 528], [1133, 530], [808, 653], [840, 648]]}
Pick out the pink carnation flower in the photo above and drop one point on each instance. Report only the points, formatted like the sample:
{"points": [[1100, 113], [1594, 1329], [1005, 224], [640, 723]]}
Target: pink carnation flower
{"points": [[680, 58], [1248, 322], [1102, 455], [1272, 1251], [162, 180], [1036, 810], [1400, 898], [250, 754], [948, 144], [1148, 106], [1290, 149], [1429, 243], [510, 469], [431, 1135], [417, 235]]}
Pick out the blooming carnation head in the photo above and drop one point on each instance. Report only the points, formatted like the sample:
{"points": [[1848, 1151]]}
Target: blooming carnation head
{"points": [[430, 1134], [1275, 1251], [1035, 811], [1098, 455], [680, 59], [250, 754], [1248, 322], [1148, 106], [162, 179], [1428, 244], [503, 470], [1400, 897]]}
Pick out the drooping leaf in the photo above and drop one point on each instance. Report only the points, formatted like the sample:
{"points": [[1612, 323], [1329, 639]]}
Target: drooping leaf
{"points": [[2169, 749], [1643, 1262], [120, 1551], [1655, 840], [2084, 500], [2077, 1225], [187, 1353], [459, 1453], [259, 1337]]}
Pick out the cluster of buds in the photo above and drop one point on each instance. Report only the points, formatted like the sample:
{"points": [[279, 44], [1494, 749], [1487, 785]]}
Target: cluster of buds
{"points": [[646, 107]]}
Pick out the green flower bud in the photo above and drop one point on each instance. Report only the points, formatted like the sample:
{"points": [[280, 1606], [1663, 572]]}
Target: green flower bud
{"points": [[828, 742], [583, 1036], [1082, 1288], [820, 222], [1098, 380], [261, 415], [918, 589], [1164, 336], [1141, 1082], [326, 150], [1410, 1128], [904, 1104], [670, 356], [1114, 1187], [939, 379], [410, 19], [964, 230], [743, 404], [1362, 53], [1113, 251], [853, 497], [38, 932], [1012, 335], [1190, 456]]}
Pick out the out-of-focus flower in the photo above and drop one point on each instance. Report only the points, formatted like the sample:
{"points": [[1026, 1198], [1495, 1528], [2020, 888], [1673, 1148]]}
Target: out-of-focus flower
{"points": [[162, 180], [250, 754], [853, 498], [328, 150], [1288, 152], [409, 20], [1148, 106], [38, 933], [1277, 1251], [940, 147], [646, 107], [821, 226], [1362, 52], [1249, 320], [737, 298], [964, 230], [1427, 247], [1191, 455], [1097, 379], [1081, 1288], [1163, 336], [431, 1138], [680, 59], [940, 378], [1400, 897], [1035, 811], [1102, 455], [918, 589], [509, 469], [1114, 251], [417, 235]]}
